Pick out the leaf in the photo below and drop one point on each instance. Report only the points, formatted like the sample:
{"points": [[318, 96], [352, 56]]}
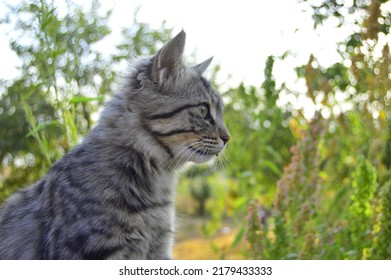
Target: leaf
{"points": [[31, 90], [70, 127], [238, 237], [83, 99], [240, 202], [272, 166], [41, 126], [276, 156]]}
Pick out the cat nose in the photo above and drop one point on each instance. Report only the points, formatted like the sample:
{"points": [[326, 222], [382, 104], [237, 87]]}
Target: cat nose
{"points": [[224, 134], [225, 138]]}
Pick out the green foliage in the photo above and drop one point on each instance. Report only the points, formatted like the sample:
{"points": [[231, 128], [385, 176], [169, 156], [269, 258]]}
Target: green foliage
{"points": [[328, 203], [290, 232], [361, 211], [387, 148], [200, 191], [257, 122], [141, 40], [382, 229]]}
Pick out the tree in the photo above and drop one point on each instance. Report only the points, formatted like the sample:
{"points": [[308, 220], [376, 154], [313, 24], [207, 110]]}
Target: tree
{"points": [[63, 81]]}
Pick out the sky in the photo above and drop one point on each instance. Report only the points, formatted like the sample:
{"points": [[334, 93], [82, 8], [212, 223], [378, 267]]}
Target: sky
{"points": [[239, 34]]}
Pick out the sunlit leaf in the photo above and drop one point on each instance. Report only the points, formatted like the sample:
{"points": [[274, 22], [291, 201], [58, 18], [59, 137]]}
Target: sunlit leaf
{"points": [[82, 99], [238, 238], [41, 126]]}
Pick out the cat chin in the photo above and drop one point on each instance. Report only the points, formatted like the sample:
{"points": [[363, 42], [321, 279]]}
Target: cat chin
{"points": [[202, 159]]}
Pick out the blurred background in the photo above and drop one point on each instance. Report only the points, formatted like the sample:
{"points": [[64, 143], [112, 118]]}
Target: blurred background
{"points": [[306, 85]]}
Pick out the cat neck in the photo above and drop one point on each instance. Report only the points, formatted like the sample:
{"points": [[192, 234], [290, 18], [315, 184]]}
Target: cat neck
{"points": [[137, 150]]}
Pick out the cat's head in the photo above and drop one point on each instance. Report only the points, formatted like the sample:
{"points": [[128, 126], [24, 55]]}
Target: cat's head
{"points": [[177, 106]]}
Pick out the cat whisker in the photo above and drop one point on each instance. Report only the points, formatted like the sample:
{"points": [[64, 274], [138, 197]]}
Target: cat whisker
{"points": [[195, 145], [224, 161], [176, 154]]}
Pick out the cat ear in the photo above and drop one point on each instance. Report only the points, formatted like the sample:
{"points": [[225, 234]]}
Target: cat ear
{"points": [[200, 68], [168, 60]]}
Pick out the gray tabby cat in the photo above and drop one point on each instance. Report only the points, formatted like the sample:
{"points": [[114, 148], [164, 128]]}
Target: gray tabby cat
{"points": [[112, 197]]}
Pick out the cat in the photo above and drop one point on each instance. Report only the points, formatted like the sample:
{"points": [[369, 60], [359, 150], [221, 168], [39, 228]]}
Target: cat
{"points": [[112, 196]]}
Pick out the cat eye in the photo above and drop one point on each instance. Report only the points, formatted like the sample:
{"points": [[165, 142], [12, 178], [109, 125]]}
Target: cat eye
{"points": [[204, 111]]}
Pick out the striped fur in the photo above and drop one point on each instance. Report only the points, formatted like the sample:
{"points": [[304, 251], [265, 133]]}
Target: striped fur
{"points": [[112, 197]]}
